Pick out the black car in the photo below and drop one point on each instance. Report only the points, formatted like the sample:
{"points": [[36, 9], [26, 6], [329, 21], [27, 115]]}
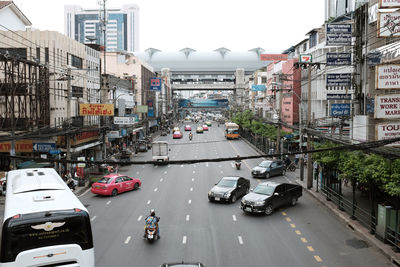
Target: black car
{"points": [[228, 189], [142, 146], [268, 168], [268, 196]]}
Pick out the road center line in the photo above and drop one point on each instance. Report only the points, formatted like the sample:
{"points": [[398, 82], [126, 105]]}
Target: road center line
{"points": [[127, 239], [93, 218], [303, 240], [192, 179], [187, 217], [181, 166], [191, 189], [155, 189], [310, 248], [194, 171], [161, 179], [139, 218], [190, 201], [234, 218], [148, 202], [184, 239], [137, 173], [240, 240], [108, 202], [166, 171]]}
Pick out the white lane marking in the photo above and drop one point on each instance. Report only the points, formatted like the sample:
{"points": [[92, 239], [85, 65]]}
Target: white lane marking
{"points": [[143, 166], [85, 192], [192, 179], [155, 189], [127, 240], [108, 202], [191, 189], [181, 166], [93, 218], [161, 179], [234, 218], [190, 201], [194, 171], [184, 239], [187, 218], [139, 218], [169, 166], [148, 202], [166, 171], [219, 166], [137, 173], [156, 166], [240, 240], [206, 164], [222, 171]]}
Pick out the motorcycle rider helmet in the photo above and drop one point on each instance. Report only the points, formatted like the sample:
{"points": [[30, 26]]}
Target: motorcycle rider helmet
{"points": [[152, 212]]}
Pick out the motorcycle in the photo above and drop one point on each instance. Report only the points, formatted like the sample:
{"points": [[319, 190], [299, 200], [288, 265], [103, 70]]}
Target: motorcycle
{"points": [[151, 234], [190, 137], [291, 167], [238, 164]]}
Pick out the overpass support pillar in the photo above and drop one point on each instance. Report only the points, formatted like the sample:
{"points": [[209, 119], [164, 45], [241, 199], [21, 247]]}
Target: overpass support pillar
{"points": [[239, 88]]}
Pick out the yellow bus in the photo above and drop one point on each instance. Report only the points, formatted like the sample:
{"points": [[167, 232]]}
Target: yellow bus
{"points": [[231, 130]]}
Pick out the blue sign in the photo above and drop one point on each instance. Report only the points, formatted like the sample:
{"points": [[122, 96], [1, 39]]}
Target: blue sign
{"points": [[370, 105], [338, 59], [155, 84], [123, 132], [258, 87], [338, 79], [55, 152], [338, 110], [374, 58], [43, 147], [338, 96], [338, 34], [203, 103]]}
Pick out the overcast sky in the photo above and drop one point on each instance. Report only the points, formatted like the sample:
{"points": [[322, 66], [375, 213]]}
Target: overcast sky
{"points": [[204, 25]]}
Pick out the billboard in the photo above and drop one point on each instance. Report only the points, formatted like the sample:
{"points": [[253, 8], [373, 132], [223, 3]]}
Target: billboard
{"points": [[20, 146], [338, 34], [387, 107], [155, 84], [96, 109], [338, 110], [203, 103], [273, 57], [388, 24], [388, 130], [387, 76]]}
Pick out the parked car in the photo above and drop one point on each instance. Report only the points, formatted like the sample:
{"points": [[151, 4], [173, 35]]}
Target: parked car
{"points": [[205, 127], [114, 184], [229, 189], [188, 128], [177, 135], [199, 129], [268, 196], [268, 168]]}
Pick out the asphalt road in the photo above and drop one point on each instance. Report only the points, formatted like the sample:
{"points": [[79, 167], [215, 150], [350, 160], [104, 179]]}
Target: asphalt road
{"points": [[219, 235]]}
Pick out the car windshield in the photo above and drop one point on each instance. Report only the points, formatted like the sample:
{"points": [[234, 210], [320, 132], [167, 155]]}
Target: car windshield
{"points": [[105, 180], [265, 164], [227, 183], [264, 189]]}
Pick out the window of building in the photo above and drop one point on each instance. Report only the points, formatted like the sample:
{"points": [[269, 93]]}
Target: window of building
{"points": [[46, 54], [74, 61], [38, 53], [77, 91], [313, 40]]}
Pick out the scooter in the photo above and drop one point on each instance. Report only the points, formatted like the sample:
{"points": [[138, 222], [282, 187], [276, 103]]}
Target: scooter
{"points": [[151, 234], [190, 137], [238, 164]]}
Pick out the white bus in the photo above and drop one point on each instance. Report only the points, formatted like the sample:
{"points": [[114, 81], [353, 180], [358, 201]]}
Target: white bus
{"points": [[44, 223]]}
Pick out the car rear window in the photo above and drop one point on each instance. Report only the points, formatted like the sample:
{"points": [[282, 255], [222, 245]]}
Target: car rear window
{"points": [[105, 180], [265, 164]]}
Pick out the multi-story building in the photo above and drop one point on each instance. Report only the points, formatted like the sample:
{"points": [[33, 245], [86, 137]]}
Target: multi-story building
{"points": [[86, 26], [11, 17]]}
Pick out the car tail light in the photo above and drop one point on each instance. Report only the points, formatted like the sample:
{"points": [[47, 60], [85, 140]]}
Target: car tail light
{"points": [[16, 216], [77, 210]]}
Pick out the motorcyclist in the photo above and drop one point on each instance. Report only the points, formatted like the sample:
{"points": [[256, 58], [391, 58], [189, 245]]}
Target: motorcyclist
{"points": [[287, 161], [152, 222], [238, 159], [190, 135]]}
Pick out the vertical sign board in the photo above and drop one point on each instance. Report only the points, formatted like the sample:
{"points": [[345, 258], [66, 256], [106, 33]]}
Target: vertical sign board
{"points": [[150, 111], [338, 79], [338, 59], [340, 110], [338, 34], [387, 107], [388, 130], [387, 76], [155, 84], [389, 24]]}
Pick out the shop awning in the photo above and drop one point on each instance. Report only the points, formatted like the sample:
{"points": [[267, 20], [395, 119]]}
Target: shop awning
{"points": [[137, 130], [80, 148]]}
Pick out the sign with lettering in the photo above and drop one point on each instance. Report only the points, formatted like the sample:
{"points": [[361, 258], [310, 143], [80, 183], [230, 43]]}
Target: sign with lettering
{"points": [[388, 130], [43, 147], [338, 96], [338, 110], [273, 57], [305, 58], [338, 34], [96, 109], [155, 84], [258, 87], [338, 79], [389, 3], [387, 76], [389, 24], [124, 120], [338, 59], [387, 106], [20, 146]]}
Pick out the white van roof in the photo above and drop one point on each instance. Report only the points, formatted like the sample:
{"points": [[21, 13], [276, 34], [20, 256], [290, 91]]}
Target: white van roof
{"points": [[35, 190]]}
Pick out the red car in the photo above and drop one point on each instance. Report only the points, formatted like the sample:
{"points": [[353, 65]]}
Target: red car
{"points": [[188, 128], [177, 135], [113, 184], [205, 127]]}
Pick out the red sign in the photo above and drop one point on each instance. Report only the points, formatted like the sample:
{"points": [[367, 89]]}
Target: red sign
{"points": [[273, 57]]}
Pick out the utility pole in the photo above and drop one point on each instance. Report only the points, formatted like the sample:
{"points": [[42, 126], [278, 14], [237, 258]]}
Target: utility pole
{"points": [[103, 77], [278, 134], [309, 155], [68, 139]]}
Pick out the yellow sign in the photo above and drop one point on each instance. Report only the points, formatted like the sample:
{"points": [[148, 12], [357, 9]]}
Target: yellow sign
{"points": [[20, 146], [96, 109]]}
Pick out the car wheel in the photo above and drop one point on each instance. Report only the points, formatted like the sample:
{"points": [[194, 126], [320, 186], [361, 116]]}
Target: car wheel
{"points": [[267, 175], [233, 199], [269, 210], [294, 201], [283, 172], [136, 186], [114, 192]]}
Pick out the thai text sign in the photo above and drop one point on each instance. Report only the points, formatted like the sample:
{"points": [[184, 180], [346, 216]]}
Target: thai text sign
{"points": [[273, 57], [20, 146], [389, 130], [387, 76], [338, 79], [124, 120], [338, 110], [338, 34], [141, 109], [389, 24], [387, 106], [338, 59], [155, 84], [389, 3], [258, 87], [96, 109], [338, 96]]}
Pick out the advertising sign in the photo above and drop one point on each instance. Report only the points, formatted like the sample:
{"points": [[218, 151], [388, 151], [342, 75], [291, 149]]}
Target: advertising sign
{"points": [[258, 87], [155, 84], [141, 109], [374, 58], [124, 120], [389, 3], [150, 111], [203, 103], [20, 146], [273, 57], [96, 109], [387, 76], [306, 58], [338, 79], [338, 59], [389, 130], [389, 24], [113, 134], [43, 147], [338, 110], [338, 96], [387, 106], [338, 34]]}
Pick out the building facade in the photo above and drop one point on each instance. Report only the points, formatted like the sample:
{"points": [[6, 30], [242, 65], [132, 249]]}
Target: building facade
{"points": [[11, 17]]}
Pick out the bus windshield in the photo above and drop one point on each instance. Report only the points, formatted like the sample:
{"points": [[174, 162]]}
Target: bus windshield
{"points": [[41, 229]]}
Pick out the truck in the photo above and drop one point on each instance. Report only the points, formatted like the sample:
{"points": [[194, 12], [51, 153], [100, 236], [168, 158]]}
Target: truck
{"points": [[231, 130], [160, 152], [268, 196]]}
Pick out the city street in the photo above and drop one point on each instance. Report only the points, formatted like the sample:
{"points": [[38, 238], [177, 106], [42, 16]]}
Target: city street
{"points": [[216, 234]]}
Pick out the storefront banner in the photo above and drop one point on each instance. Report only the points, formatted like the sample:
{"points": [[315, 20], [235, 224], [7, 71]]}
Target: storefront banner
{"points": [[389, 24], [20, 146], [155, 84], [113, 134], [124, 120], [96, 109], [387, 107], [388, 130], [387, 76]]}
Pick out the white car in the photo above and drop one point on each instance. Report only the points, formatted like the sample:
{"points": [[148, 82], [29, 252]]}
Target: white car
{"points": [[2, 186]]}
